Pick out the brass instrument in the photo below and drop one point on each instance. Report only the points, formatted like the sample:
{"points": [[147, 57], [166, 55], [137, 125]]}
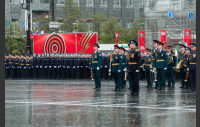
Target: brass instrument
{"points": [[125, 75], [110, 63], [187, 76], [127, 58], [143, 66], [91, 70], [170, 55], [179, 66]]}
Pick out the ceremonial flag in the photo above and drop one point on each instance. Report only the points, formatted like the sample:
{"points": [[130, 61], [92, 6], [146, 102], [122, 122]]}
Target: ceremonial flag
{"points": [[187, 37], [142, 47], [117, 35], [163, 38]]}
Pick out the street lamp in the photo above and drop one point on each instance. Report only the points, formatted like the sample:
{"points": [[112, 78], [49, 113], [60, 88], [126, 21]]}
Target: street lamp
{"points": [[28, 47]]}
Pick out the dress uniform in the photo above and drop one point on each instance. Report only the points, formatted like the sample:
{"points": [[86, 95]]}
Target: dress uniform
{"points": [[192, 67], [153, 52], [123, 57], [28, 68], [63, 62], [49, 66], [67, 66], [10, 65], [142, 73], [85, 66], [170, 70], [160, 64], [53, 67], [17, 69], [182, 73], [133, 59], [96, 67], [103, 64], [34, 66], [108, 66], [186, 59], [39, 65], [57, 66], [117, 67], [148, 67], [22, 67], [43, 64], [72, 66], [6, 67]]}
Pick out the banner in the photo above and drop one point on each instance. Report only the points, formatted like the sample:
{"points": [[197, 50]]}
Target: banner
{"points": [[117, 35], [64, 43], [163, 38], [142, 47], [187, 37]]}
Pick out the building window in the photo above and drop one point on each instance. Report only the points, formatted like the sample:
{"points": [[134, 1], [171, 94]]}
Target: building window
{"points": [[129, 23], [129, 3], [117, 3], [76, 2], [35, 1], [11, 1], [141, 4], [103, 2], [89, 3], [16, 1], [60, 1]]}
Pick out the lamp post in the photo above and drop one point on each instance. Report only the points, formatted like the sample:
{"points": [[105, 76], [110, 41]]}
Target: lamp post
{"points": [[28, 47]]}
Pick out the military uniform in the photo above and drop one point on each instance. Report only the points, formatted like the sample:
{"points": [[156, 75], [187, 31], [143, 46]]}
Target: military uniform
{"points": [[123, 69], [161, 63], [96, 67], [72, 67], [148, 61], [186, 67], [153, 52], [23, 66], [192, 68], [182, 73], [133, 59], [28, 69], [10, 65], [6, 68], [34, 67]]}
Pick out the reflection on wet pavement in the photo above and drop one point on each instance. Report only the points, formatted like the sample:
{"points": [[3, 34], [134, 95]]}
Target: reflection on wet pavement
{"points": [[50, 103]]}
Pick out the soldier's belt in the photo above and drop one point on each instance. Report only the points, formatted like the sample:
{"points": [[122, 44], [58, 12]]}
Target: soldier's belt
{"points": [[192, 63], [132, 62], [16, 63], [185, 65], [153, 58], [123, 63], [10, 62], [160, 60], [115, 64], [5, 63], [147, 64], [27, 64], [94, 61], [22, 64]]}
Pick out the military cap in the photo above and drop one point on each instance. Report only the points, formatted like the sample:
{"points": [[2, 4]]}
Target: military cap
{"points": [[188, 48], [96, 45], [148, 49], [155, 41], [159, 43], [121, 48], [133, 42], [181, 45], [169, 46], [193, 44], [116, 46]]}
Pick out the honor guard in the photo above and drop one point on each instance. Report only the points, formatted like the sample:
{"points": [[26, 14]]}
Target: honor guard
{"points": [[142, 73], [96, 66], [180, 58], [154, 55], [116, 68], [53, 66], [22, 67], [28, 68], [6, 66], [43, 64], [133, 59], [72, 66], [49, 67], [160, 65], [186, 59], [172, 60], [17, 65], [10, 65], [34, 66], [148, 68], [192, 66], [123, 70]]}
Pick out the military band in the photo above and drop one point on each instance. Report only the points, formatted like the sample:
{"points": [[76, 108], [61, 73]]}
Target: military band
{"points": [[121, 64]]}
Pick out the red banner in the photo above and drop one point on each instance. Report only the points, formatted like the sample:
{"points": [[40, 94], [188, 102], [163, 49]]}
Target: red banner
{"points": [[163, 38], [64, 43], [187, 37], [142, 41], [117, 35]]}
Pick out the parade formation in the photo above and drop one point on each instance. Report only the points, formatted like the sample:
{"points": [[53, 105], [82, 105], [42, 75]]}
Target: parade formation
{"points": [[156, 64]]}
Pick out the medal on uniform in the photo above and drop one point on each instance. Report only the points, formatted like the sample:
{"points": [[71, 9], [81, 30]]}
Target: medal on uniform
{"points": [[95, 55], [132, 55], [121, 57], [194, 55], [162, 54]]}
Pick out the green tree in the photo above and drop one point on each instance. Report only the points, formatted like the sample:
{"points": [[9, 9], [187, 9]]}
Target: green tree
{"points": [[97, 20], [72, 17], [15, 42]]}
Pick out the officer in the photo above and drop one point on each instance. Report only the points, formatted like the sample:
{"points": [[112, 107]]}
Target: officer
{"points": [[62, 63], [116, 68], [103, 64], [57, 65], [108, 65], [34, 66], [148, 68], [170, 69], [17, 63], [186, 59], [96, 66], [22, 67], [72, 66], [130, 87], [133, 59], [84, 63], [161, 63], [67, 66], [192, 66], [90, 66], [43, 64], [53, 67], [180, 57], [153, 52], [10, 65], [6, 66], [142, 73], [28, 68], [123, 70], [39, 65], [31, 69]]}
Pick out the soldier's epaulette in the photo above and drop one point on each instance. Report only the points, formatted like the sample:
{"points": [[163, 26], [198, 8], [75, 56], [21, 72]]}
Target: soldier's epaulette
{"points": [[119, 53], [137, 50], [99, 52]]}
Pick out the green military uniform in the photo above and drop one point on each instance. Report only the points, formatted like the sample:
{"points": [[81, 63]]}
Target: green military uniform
{"points": [[182, 73], [117, 64], [123, 57], [147, 67], [153, 52], [161, 63], [170, 72], [96, 68]]}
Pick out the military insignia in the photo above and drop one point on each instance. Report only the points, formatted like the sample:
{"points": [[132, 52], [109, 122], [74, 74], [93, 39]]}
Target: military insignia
{"points": [[166, 53], [132, 55], [194, 55], [121, 57], [116, 57], [162, 54]]}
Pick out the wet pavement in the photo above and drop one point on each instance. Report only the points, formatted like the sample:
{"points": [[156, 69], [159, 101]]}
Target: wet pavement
{"points": [[73, 103]]}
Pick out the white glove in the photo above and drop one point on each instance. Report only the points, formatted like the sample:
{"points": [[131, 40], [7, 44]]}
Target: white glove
{"points": [[54, 66], [109, 70], [78, 66], [91, 68], [105, 66], [150, 66], [58, 66], [154, 69], [101, 66], [45, 66], [40, 66], [73, 66], [50, 66], [173, 67], [188, 69], [165, 68], [119, 70], [140, 66], [137, 71], [37, 66], [25, 67], [97, 68], [150, 70], [19, 67], [63, 66], [124, 69], [67, 66]]}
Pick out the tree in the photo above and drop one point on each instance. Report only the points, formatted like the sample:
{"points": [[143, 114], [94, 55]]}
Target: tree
{"points": [[97, 20], [15, 43], [72, 17]]}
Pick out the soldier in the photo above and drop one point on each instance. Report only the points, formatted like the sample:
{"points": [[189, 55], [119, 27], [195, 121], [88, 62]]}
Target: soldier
{"points": [[96, 66], [34, 66], [28, 68], [10, 65], [186, 59], [153, 52], [6, 66], [180, 57], [85, 66], [63, 62], [22, 67], [170, 69], [103, 64], [39, 65], [123, 57], [49, 66], [17, 64], [142, 73], [160, 65], [192, 66], [133, 59], [148, 68], [43, 64], [67, 66], [53, 67], [72, 66], [117, 66], [57, 65], [130, 87], [108, 66], [31, 69]]}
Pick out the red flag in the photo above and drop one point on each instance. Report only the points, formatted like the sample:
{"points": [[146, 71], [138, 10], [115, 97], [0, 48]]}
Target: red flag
{"points": [[142, 41], [117, 35], [163, 38], [187, 37]]}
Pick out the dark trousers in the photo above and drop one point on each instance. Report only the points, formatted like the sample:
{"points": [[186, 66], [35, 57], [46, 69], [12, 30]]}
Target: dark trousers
{"points": [[44, 72], [35, 72], [67, 72], [134, 80], [58, 73], [77, 72], [193, 78], [49, 72], [122, 76], [161, 77], [117, 79], [72, 72], [183, 75], [63, 72], [40, 73], [10, 72], [23, 72], [28, 72], [85, 72], [6, 72], [18, 73], [53, 72], [97, 77], [170, 76], [148, 77], [104, 72]]}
